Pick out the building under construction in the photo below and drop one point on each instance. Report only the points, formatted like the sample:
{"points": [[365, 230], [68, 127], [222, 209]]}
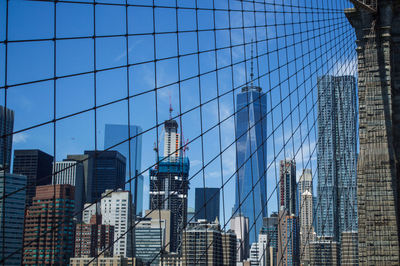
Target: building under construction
{"points": [[169, 183]]}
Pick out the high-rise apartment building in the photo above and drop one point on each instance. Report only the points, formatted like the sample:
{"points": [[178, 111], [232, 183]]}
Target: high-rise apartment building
{"points": [[71, 173], [337, 155], [169, 183], [202, 244], [12, 210], [106, 170], [127, 140], [6, 128], [93, 238], [287, 185], [116, 210], [49, 226], [288, 239], [251, 157], [150, 235], [90, 209], [240, 226], [36, 165], [207, 203]]}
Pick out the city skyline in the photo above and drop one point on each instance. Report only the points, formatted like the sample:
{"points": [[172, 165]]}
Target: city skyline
{"points": [[197, 132]]}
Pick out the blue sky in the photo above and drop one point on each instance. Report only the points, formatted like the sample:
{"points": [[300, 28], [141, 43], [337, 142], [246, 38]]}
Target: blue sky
{"points": [[34, 103]]}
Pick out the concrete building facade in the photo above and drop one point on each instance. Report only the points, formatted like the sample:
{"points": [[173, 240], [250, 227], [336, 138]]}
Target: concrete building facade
{"points": [[116, 210]]}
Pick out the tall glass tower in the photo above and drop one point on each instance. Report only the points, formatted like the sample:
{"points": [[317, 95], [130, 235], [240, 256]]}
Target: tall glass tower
{"points": [[251, 157], [337, 156], [6, 128], [115, 134]]}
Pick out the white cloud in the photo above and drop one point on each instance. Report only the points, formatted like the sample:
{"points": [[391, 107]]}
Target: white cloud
{"points": [[20, 138], [345, 67]]}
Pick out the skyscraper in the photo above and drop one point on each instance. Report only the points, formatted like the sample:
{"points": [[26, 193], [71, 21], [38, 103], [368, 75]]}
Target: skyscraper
{"points": [[87, 172], [337, 156], [71, 173], [307, 233], [106, 170], [116, 210], [306, 226], [287, 186], [288, 239], [132, 150], [305, 182], [6, 128], [12, 210], [169, 183], [49, 226], [207, 204], [36, 165], [270, 229], [240, 226], [251, 157]]}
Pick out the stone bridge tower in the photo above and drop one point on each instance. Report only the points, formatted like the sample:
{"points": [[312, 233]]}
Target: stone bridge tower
{"points": [[377, 27]]}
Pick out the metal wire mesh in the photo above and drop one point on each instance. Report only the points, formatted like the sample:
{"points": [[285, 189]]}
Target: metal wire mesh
{"points": [[192, 94]]}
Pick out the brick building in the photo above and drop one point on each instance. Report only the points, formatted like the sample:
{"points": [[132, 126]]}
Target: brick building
{"points": [[49, 226], [92, 238]]}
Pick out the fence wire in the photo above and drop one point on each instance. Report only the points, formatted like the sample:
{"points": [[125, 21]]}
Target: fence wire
{"points": [[240, 83]]}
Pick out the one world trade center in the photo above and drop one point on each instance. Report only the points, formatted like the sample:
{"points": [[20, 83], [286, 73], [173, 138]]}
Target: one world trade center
{"points": [[251, 157]]}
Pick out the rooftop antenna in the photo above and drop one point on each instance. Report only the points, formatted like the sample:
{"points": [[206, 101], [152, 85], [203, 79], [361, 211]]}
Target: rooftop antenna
{"points": [[170, 107], [251, 64]]}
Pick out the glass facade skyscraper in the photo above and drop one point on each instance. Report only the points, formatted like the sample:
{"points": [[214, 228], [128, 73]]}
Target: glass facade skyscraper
{"points": [[115, 134], [106, 170], [36, 165], [251, 157], [207, 204], [337, 156], [6, 128], [12, 210]]}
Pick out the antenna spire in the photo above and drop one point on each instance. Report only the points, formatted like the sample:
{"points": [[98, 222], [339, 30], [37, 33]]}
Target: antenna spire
{"points": [[170, 107], [251, 64]]}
